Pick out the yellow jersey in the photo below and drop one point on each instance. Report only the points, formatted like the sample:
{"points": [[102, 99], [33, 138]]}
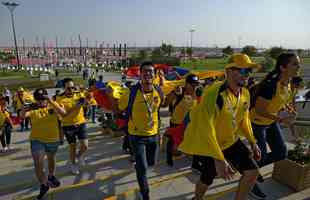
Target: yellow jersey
{"points": [[276, 102], [44, 125], [141, 123], [4, 115], [217, 122], [77, 116]]}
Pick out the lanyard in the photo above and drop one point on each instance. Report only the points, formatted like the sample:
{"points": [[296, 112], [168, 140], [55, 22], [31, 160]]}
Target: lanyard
{"points": [[149, 106], [233, 110]]}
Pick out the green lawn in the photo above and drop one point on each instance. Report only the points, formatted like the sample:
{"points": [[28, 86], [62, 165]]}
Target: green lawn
{"points": [[305, 61], [211, 63]]}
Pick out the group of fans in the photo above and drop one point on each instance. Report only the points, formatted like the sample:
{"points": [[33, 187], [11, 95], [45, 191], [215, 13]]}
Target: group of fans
{"points": [[208, 121]]}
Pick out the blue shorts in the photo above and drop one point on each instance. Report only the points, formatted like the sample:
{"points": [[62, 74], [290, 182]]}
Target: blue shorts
{"points": [[73, 132], [48, 147]]}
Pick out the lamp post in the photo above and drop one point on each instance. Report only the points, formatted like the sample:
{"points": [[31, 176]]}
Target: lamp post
{"points": [[11, 6], [191, 32]]}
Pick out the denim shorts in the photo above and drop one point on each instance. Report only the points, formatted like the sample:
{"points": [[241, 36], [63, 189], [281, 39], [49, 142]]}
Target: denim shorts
{"points": [[73, 132], [48, 147]]}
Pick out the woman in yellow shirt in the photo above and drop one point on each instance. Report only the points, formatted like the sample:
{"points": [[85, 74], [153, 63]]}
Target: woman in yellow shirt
{"points": [[269, 97], [44, 137], [5, 125]]}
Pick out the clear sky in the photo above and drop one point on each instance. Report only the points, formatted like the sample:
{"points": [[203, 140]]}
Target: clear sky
{"points": [[262, 23]]}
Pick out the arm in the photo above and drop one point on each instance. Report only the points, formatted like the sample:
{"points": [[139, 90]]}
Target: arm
{"points": [[260, 108], [168, 100], [59, 110]]}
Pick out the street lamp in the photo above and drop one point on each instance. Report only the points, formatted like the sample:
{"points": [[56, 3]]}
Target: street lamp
{"points": [[192, 32], [11, 6]]}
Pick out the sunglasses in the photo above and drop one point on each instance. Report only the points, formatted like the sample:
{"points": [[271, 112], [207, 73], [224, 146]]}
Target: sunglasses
{"points": [[245, 71], [70, 88]]}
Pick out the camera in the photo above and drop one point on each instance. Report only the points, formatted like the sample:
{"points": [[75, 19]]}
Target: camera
{"points": [[30, 106], [81, 101], [199, 91]]}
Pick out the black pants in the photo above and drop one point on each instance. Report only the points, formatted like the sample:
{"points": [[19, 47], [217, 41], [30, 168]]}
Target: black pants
{"points": [[6, 135]]}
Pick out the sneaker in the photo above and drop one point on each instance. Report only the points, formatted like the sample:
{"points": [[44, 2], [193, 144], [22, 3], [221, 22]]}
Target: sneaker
{"points": [[82, 162], [260, 178], [74, 169], [257, 193], [43, 191], [5, 149], [53, 181]]}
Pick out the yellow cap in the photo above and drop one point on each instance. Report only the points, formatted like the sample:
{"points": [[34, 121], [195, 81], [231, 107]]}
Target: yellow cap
{"points": [[20, 89], [240, 60]]}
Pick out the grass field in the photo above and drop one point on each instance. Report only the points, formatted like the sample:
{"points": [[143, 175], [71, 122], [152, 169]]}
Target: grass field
{"points": [[211, 63], [219, 63]]}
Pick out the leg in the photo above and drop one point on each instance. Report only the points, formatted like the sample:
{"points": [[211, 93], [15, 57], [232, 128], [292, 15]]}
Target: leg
{"points": [[207, 176], [82, 136], [93, 113], [240, 158], [246, 184], [83, 147], [276, 143], [260, 135], [8, 134], [169, 151], [37, 152], [139, 151], [151, 150], [51, 152], [51, 164], [27, 121], [71, 139], [2, 138]]}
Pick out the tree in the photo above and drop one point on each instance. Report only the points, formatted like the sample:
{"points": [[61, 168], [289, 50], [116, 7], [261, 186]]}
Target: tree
{"points": [[189, 52], [157, 52], [249, 50], [274, 52], [166, 49], [228, 50], [267, 64], [142, 54], [300, 52], [183, 51]]}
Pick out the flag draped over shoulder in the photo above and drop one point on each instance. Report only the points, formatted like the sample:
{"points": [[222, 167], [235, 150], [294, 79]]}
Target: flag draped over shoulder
{"points": [[200, 134]]}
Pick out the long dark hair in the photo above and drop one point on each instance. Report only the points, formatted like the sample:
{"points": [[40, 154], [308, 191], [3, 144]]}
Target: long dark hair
{"points": [[272, 78]]}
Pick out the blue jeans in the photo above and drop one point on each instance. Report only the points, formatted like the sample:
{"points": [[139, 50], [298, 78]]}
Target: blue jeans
{"points": [[271, 134], [145, 150]]}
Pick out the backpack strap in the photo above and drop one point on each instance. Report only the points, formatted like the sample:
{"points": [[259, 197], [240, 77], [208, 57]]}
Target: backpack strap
{"points": [[132, 96], [219, 98], [160, 92]]}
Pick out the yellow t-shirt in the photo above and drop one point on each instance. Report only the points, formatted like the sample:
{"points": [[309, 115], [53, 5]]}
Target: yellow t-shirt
{"points": [[76, 117], [44, 125], [183, 107], [3, 116], [213, 129], [276, 102], [140, 121]]}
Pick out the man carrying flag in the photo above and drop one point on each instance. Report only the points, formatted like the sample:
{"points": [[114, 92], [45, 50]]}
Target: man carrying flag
{"points": [[215, 127]]}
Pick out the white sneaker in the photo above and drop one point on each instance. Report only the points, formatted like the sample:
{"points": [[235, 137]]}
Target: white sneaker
{"points": [[74, 169], [82, 162], [5, 149]]}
